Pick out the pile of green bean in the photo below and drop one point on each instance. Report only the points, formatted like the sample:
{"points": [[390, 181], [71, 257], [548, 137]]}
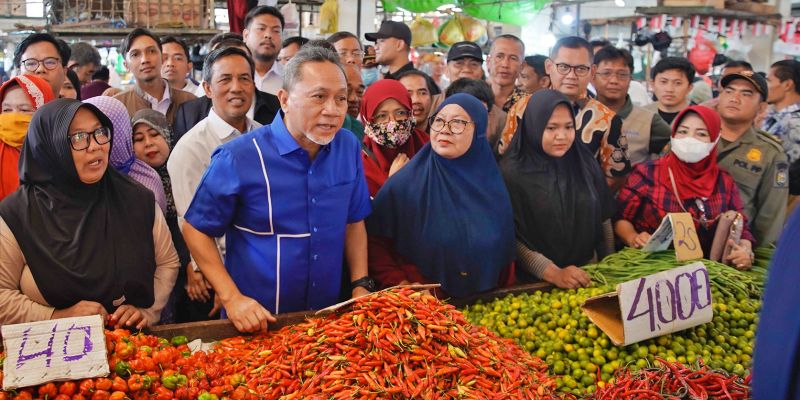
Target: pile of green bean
{"points": [[630, 264]]}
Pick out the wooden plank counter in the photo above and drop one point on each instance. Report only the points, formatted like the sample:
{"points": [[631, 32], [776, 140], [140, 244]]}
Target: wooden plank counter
{"points": [[220, 329]]}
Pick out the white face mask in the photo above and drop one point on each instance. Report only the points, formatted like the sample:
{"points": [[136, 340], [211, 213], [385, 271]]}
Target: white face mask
{"points": [[691, 150]]}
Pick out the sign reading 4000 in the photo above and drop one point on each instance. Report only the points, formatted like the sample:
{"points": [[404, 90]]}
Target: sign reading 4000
{"points": [[665, 302]]}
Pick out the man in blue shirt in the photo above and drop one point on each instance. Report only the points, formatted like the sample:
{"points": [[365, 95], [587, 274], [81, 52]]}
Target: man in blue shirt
{"points": [[290, 199]]}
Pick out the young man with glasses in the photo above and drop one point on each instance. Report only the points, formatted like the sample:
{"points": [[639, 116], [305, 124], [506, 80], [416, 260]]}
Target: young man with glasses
{"points": [[43, 55], [645, 130], [571, 69]]}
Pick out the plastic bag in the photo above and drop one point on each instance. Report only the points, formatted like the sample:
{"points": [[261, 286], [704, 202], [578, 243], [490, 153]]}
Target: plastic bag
{"points": [[423, 33], [460, 28], [329, 17], [290, 15]]}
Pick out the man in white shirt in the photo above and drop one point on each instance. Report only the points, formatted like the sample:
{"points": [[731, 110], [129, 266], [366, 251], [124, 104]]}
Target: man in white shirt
{"points": [[262, 33], [228, 82], [177, 65], [142, 51]]}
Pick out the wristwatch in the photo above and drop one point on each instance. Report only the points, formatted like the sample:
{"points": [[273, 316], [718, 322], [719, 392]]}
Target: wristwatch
{"points": [[365, 282]]}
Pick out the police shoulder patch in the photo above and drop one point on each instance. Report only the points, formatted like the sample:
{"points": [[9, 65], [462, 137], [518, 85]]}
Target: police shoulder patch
{"points": [[781, 174]]}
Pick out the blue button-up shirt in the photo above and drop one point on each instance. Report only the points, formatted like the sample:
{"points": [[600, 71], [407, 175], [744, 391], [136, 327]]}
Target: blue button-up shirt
{"points": [[283, 216], [785, 124]]}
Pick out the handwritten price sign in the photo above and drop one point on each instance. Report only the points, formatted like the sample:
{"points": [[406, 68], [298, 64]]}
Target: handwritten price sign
{"points": [[666, 302], [676, 229], [59, 349]]}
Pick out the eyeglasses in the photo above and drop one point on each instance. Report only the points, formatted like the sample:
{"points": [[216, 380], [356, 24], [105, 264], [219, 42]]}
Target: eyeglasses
{"points": [[399, 115], [455, 126], [621, 75], [352, 54], [50, 63], [580, 70], [81, 140]]}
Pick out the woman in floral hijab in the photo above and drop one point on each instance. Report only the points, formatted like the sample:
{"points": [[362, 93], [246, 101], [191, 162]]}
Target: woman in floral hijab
{"points": [[390, 137]]}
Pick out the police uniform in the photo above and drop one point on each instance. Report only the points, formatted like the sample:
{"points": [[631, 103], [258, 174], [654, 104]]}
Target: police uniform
{"points": [[759, 166]]}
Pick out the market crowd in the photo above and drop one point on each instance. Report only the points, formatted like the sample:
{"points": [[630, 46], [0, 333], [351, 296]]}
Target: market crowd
{"points": [[299, 173]]}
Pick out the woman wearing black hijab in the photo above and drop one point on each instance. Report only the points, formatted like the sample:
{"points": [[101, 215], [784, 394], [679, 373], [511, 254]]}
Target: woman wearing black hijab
{"points": [[78, 238], [562, 207]]}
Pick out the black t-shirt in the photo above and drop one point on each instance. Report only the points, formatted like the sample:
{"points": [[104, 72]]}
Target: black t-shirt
{"points": [[669, 117]]}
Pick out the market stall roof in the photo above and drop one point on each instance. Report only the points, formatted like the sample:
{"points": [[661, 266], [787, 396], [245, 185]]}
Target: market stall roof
{"points": [[708, 12]]}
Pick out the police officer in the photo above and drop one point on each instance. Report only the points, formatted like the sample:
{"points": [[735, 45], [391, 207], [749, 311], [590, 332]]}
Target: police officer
{"points": [[754, 159]]}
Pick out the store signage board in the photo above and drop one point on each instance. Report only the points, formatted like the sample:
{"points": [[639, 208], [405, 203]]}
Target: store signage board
{"points": [[677, 229], [53, 350], [654, 305]]}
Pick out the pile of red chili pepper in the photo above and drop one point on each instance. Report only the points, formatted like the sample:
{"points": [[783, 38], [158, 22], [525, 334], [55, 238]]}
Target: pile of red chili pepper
{"points": [[399, 344], [675, 381]]}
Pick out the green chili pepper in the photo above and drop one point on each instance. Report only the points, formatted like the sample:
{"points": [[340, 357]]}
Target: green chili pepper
{"points": [[170, 382], [122, 368], [179, 340]]}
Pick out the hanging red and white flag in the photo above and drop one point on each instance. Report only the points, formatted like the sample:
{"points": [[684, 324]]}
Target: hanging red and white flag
{"points": [[676, 22], [641, 22], [734, 28], [663, 22], [710, 24], [743, 27], [784, 28], [695, 21], [723, 24]]}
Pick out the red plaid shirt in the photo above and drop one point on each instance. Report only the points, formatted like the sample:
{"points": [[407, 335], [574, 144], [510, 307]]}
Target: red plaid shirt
{"points": [[644, 202]]}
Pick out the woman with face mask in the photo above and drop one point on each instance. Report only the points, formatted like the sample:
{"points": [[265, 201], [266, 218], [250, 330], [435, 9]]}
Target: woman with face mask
{"points": [[390, 136], [687, 179], [446, 216], [21, 97], [562, 206]]}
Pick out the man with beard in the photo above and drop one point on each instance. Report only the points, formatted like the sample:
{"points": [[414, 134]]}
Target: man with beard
{"points": [[142, 52], [262, 33], [291, 199]]}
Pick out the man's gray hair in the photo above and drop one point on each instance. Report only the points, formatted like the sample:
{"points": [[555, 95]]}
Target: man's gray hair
{"points": [[83, 53], [292, 73]]}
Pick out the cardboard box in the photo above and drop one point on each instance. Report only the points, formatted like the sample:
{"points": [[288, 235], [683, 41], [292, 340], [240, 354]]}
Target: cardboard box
{"points": [[653, 306]]}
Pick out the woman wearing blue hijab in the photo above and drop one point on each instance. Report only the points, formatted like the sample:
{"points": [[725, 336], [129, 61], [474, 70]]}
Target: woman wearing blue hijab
{"points": [[446, 216]]}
